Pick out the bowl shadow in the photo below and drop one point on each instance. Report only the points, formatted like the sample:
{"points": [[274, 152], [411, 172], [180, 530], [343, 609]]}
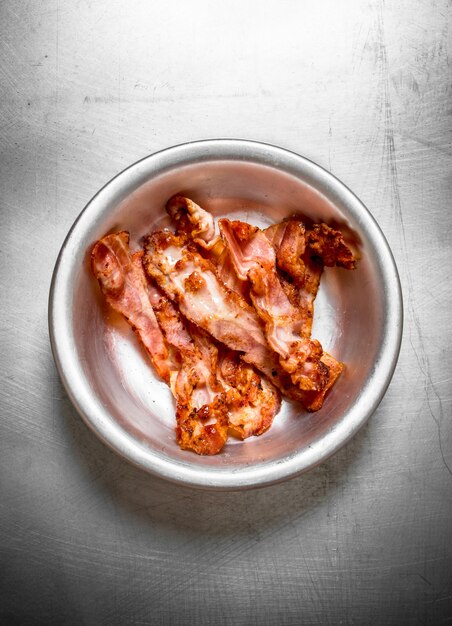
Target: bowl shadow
{"points": [[199, 512]]}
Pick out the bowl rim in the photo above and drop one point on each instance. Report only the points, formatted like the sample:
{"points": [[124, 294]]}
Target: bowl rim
{"points": [[97, 417]]}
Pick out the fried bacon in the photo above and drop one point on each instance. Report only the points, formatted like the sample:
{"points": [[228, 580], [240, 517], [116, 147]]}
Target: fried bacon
{"points": [[313, 400], [299, 274], [188, 366], [210, 400], [214, 397], [191, 281], [190, 219], [328, 244], [252, 399], [201, 410], [301, 255], [124, 285], [226, 317], [254, 259]]}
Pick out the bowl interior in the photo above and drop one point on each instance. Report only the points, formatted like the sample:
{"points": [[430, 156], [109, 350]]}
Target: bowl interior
{"points": [[350, 320]]}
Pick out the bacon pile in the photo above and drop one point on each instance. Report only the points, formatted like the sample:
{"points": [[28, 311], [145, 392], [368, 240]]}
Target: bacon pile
{"points": [[226, 319]]}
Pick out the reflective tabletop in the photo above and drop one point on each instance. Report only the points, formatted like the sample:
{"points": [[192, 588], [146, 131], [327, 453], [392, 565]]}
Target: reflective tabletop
{"points": [[361, 88]]}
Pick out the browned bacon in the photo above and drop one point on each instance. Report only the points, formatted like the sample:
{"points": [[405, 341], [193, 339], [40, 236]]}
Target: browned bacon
{"points": [[191, 281], [301, 255], [313, 400], [254, 258], [202, 411], [328, 244], [299, 273], [190, 219], [210, 309], [124, 285], [253, 401]]}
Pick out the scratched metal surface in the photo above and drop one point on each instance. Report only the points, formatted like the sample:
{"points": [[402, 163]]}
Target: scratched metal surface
{"points": [[363, 88]]}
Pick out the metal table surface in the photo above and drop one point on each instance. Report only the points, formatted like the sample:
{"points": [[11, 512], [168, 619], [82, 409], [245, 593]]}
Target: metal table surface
{"points": [[362, 88]]}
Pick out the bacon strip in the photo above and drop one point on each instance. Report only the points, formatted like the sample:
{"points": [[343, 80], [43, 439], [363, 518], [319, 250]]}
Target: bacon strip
{"points": [[299, 273], [301, 255], [254, 258], [124, 285], [202, 411]]}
